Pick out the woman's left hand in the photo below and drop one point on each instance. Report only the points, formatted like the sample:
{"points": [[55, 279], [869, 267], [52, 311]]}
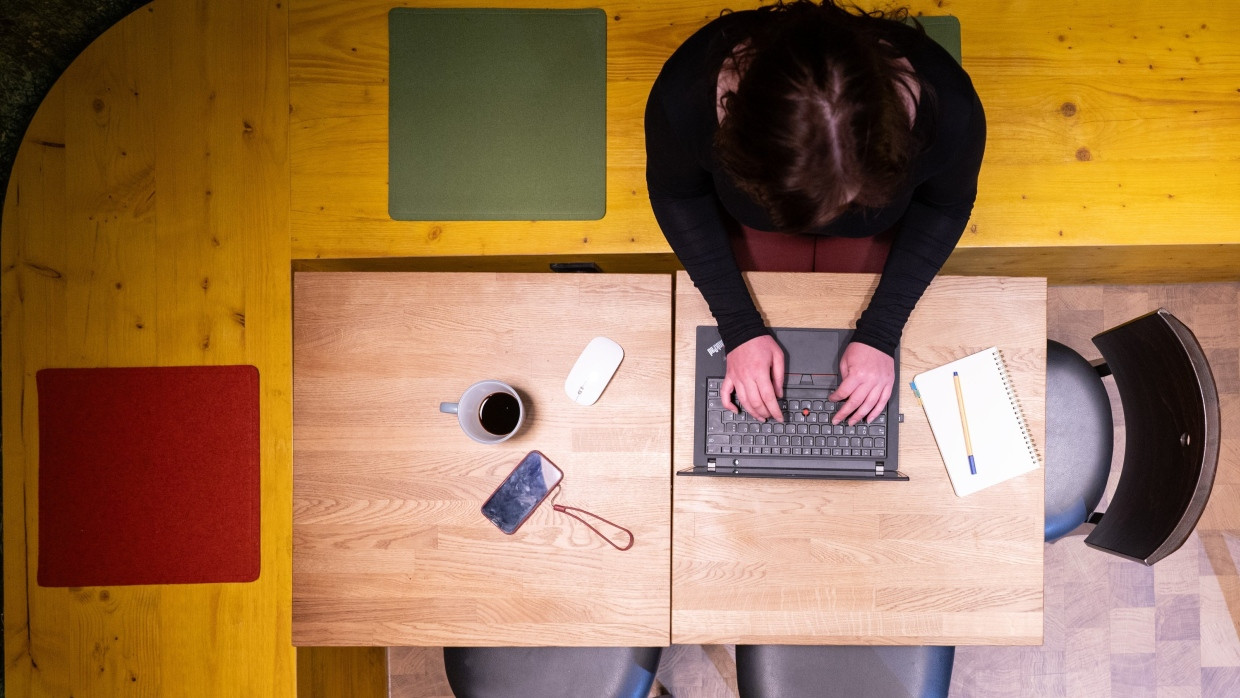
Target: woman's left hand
{"points": [[866, 378]]}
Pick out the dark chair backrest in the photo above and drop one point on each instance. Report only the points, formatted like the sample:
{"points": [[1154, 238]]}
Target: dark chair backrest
{"points": [[1171, 416]]}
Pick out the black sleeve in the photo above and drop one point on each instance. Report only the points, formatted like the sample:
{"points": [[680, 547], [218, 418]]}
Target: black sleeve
{"points": [[682, 195], [929, 231]]}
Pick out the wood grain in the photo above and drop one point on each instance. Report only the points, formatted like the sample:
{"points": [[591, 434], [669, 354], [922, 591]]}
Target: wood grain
{"points": [[330, 672], [1089, 596], [389, 545], [146, 224], [832, 562], [1104, 130]]}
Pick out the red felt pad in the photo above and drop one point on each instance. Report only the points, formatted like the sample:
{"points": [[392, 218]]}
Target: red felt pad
{"points": [[148, 475]]}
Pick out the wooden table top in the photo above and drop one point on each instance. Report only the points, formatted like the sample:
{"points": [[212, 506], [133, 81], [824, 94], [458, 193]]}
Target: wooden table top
{"points": [[1101, 133], [389, 546], [846, 562]]}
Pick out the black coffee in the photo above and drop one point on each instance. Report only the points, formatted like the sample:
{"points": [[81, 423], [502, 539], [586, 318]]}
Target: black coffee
{"points": [[499, 413]]}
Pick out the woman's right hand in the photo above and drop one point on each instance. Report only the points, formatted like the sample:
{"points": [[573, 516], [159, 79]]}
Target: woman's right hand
{"points": [[755, 370]]}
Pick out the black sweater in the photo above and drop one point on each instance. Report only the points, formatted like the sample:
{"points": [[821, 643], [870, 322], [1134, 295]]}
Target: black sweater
{"points": [[691, 196]]}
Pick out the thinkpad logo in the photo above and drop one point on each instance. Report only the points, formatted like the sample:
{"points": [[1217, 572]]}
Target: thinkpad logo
{"points": [[715, 348]]}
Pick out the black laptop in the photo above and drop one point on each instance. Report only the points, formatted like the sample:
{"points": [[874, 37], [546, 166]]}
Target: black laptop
{"points": [[806, 444]]}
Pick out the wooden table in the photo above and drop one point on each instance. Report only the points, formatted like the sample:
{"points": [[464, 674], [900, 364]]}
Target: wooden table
{"points": [[389, 546], [835, 562], [1103, 138]]}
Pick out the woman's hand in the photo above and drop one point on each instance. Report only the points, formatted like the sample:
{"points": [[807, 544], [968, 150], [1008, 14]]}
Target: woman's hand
{"points": [[755, 370], [866, 377]]}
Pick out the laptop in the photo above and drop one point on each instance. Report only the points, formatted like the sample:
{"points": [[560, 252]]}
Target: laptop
{"points": [[806, 444]]}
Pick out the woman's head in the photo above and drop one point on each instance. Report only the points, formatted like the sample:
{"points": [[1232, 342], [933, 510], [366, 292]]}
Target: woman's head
{"points": [[818, 121]]}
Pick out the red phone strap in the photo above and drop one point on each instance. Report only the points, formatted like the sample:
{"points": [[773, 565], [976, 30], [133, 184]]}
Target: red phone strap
{"points": [[569, 511]]}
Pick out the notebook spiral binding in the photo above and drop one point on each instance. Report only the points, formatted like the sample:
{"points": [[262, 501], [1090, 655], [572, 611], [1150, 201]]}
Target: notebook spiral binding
{"points": [[1017, 408]]}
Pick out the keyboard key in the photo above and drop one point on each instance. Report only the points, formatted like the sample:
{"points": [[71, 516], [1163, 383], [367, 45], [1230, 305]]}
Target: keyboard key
{"points": [[867, 442], [833, 441], [796, 451], [879, 453], [820, 441], [815, 429], [861, 430], [768, 428], [855, 442], [714, 404], [794, 405], [785, 451], [878, 431], [785, 441], [719, 439], [838, 430], [816, 405], [811, 417], [714, 449], [747, 440], [777, 428], [727, 416], [880, 443]]}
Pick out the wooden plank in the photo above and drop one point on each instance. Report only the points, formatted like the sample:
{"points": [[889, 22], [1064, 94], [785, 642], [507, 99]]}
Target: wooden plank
{"points": [[846, 562], [1095, 264], [329, 672], [147, 224], [389, 546], [1085, 137]]}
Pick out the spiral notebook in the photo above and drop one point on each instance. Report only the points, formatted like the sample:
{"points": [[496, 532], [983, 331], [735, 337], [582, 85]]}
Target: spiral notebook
{"points": [[1002, 445]]}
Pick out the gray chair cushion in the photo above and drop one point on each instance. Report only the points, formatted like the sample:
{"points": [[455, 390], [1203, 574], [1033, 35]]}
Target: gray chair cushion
{"points": [[1079, 438], [797, 671], [551, 672]]}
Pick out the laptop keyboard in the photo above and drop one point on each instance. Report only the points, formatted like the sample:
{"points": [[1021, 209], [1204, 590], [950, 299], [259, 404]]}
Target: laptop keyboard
{"points": [[806, 430]]}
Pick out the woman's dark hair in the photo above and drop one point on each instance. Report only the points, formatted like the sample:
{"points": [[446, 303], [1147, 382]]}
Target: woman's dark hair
{"points": [[817, 122]]}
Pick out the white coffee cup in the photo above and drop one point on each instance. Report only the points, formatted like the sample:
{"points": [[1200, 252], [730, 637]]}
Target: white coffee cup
{"points": [[489, 411]]}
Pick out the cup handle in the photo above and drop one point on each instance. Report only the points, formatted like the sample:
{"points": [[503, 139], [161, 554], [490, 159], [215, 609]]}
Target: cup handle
{"points": [[449, 407]]}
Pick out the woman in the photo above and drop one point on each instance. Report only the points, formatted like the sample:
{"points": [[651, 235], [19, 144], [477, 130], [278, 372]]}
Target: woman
{"points": [[820, 121]]}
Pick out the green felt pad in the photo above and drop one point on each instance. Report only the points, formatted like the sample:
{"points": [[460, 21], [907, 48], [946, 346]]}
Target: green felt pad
{"points": [[497, 114]]}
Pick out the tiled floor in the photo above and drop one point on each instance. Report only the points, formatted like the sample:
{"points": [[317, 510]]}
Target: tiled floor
{"points": [[1113, 627]]}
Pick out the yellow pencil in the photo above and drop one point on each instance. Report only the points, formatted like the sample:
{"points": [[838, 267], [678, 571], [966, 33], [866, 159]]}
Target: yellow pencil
{"points": [[964, 422]]}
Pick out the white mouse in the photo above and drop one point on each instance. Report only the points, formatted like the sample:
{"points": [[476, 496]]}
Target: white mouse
{"points": [[593, 370]]}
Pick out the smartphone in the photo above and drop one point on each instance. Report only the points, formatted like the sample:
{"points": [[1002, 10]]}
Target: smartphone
{"points": [[520, 494]]}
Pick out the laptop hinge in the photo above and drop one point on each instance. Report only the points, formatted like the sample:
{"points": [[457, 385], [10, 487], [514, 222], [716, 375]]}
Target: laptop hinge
{"points": [[879, 470], [710, 464]]}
